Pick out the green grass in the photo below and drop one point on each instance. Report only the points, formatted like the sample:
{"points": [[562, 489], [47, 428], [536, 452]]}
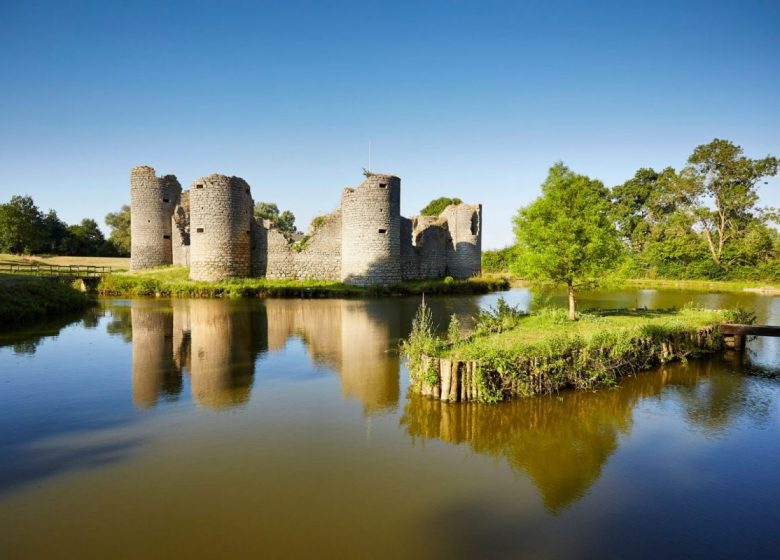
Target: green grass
{"points": [[175, 282], [24, 299], [696, 285], [539, 333]]}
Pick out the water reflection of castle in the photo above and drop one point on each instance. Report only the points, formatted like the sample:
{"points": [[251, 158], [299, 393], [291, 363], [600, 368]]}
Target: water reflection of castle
{"points": [[218, 343]]}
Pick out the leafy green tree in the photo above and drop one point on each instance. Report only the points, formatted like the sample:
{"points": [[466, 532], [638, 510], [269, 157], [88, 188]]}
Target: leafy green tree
{"points": [[644, 201], [119, 222], [56, 232], [567, 235], [284, 221], [437, 205], [723, 192], [85, 239], [21, 226]]}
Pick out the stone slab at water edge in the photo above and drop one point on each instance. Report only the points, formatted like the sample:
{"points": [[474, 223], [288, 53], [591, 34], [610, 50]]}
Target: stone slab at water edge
{"points": [[541, 353], [211, 229]]}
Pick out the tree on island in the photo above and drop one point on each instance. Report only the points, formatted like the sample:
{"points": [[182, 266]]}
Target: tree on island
{"points": [[567, 235], [437, 205], [284, 221]]}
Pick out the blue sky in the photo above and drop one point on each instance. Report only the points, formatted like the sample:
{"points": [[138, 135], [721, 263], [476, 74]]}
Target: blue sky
{"points": [[468, 99]]}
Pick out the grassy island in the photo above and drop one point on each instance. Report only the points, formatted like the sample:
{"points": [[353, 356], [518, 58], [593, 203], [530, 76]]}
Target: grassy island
{"points": [[175, 282], [513, 354], [24, 298]]}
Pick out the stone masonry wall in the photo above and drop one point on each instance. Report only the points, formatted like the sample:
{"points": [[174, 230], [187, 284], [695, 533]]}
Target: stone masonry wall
{"points": [[220, 217], [464, 249], [180, 231], [152, 200], [318, 257], [211, 229], [371, 232]]}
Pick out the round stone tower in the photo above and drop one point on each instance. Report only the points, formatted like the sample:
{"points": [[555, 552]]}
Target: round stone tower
{"points": [[220, 223], [371, 232], [152, 200]]}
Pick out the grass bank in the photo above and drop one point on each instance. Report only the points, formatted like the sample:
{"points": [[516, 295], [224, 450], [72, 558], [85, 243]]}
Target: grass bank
{"points": [[511, 354], [175, 282], [118, 263], [729, 286], [23, 299]]}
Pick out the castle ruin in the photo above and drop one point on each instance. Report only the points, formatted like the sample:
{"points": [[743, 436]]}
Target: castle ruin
{"points": [[212, 229]]}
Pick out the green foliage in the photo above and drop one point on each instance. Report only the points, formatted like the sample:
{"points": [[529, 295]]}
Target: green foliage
{"points": [[21, 226], [421, 343], [453, 330], [498, 319], [284, 221], [723, 192], [498, 260], [119, 222], [567, 235], [23, 299], [437, 205]]}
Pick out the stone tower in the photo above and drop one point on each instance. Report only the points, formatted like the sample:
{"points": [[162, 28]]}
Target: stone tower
{"points": [[152, 200], [464, 247], [220, 228], [371, 232]]}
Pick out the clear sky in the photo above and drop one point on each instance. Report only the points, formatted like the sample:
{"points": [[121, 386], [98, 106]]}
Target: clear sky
{"points": [[468, 99]]}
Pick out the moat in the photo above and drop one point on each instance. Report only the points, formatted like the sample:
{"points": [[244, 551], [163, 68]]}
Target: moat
{"points": [[283, 429]]}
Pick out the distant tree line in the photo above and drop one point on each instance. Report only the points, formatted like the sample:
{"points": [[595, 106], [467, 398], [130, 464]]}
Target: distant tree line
{"points": [[25, 229], [701, 222]]}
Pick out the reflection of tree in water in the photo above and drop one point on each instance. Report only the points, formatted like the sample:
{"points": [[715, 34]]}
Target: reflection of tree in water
{"points": [[26, 338], [562, 442], [120, 322], [723, 394]]}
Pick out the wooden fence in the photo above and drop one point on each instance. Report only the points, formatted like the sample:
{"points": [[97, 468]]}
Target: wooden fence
{"points": [[55, 271]]}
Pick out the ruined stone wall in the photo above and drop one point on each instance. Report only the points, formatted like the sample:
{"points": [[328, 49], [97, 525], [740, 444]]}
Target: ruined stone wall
{"points": [[464, 248], [152, 200], [317, 256], [423, 248], [220, 216], [371, 232], [180, 231]]}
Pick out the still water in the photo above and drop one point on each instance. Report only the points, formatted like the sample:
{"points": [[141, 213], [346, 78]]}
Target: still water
{"points": [[283, 429]]}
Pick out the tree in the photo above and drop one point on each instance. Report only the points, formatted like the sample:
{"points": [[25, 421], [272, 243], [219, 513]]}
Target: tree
{"points": [[85, 239], [724, 194], [437, 205], [284, 222], [56, 232], [567, 234], [21, 226], [642, 202], [119, 222]]}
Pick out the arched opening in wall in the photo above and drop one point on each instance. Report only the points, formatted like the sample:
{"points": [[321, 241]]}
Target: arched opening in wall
{"points": [[474, 223], [198, 186], [199, 230], [166, 236], [382, 231], [382, 185]]}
